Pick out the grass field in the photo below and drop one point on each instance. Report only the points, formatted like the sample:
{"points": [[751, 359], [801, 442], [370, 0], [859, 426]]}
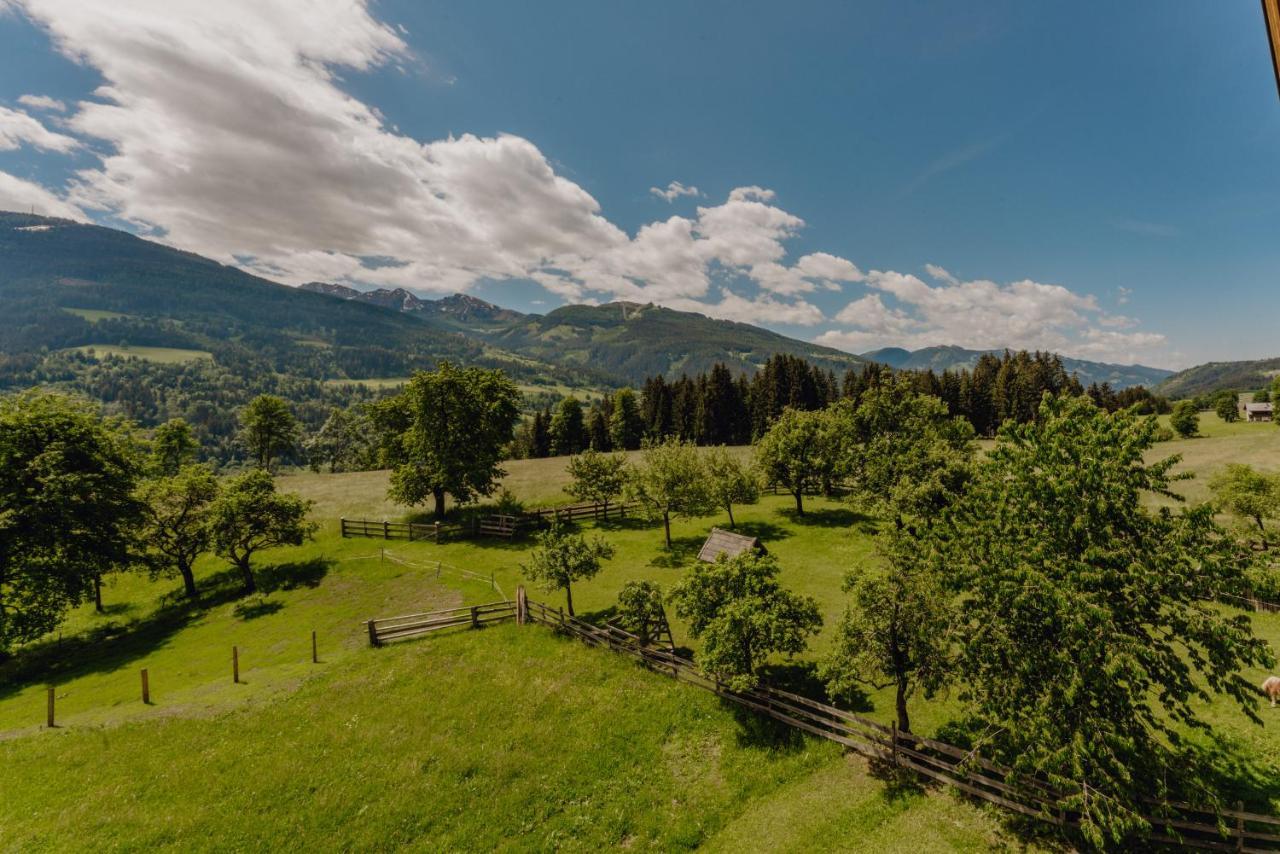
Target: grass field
{"points": [[484, 739], [163, 355], [93, 315]]}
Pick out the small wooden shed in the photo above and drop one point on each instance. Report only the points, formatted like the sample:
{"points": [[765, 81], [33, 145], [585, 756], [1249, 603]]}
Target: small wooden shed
{"points": [[722, 542]]}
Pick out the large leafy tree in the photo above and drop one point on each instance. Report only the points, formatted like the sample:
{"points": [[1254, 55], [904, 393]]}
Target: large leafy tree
{"points": [[640, 609], [1250, 495], [173, 445], [445, 434], [1185, 419], [250, 516], [742, 615], [671, 481], [176, 520], [268, 429], [1087, 646], [788, 454], [345, 442], [594, 476], [909, 459], [1226, 405], [729, 480], [68, 512], [896, 632], [563, 557]]}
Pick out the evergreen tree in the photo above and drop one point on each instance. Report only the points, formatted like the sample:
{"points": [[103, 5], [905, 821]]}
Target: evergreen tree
{"points": [[626, 426], [568, 428]]}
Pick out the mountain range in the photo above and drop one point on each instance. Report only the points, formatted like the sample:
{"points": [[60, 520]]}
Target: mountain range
{"points": [[68, 285], [940, 359]]}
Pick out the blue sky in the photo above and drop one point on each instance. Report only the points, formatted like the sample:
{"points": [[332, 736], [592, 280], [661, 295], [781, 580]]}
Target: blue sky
{"points": [[1097, 178]]}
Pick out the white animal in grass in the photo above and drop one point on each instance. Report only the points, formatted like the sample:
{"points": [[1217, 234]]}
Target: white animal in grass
{"points": [[1271, 687]]}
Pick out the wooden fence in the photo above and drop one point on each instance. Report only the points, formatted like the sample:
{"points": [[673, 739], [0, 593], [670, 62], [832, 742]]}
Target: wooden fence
{"points": [[412, 625], [587, 510], [1176, 824], [495, 525]]}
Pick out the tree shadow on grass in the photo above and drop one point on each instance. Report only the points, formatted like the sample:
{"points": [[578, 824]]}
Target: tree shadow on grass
{"points": [[801, 677], [761, 731], [682, 552], [252, 609], [292, 575], [830, 517], [113, 645], [768, 532]]}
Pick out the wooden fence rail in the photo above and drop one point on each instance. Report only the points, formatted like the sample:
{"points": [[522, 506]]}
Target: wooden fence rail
{"points": [[493, 525]]}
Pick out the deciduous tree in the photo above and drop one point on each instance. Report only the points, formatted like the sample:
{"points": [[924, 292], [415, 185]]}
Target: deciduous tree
{"points": [[268, 429], [250, 516], [173, 446], [1226, 405], [1185, 419], [594, 476], [741, 613], [896, 631], [445, 434], [68, 512], [788, 454], [562, 557], [176, 520], [730, 481], [1087, 648], [671, 480], [640, 609], [1251, 495]]}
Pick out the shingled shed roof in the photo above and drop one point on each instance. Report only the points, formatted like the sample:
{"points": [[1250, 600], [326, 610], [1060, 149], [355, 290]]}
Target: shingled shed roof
{"points": [[722, 542]]}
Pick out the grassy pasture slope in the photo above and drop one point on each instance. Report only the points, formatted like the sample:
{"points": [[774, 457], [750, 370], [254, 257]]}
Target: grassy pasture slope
{"points": [[460, 742], [163, 355]]}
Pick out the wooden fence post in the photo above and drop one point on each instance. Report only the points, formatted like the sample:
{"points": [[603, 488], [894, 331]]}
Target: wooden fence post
{"points": [[893, 734], [1240, 826], [475, 617], [386, 530], [235, 665], [343, 524], [315, 658], [521, 605], [373, 634], [50, 715], [437, 532], [146, 688]]}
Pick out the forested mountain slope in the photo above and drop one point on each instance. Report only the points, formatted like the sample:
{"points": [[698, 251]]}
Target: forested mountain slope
{"points": [[1217, 376]]}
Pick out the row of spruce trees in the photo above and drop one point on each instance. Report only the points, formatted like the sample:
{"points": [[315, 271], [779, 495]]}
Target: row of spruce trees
{"points": [[717, 408]]}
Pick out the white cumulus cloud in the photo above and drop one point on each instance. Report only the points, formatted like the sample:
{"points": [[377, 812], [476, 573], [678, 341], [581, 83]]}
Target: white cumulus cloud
{"points": [[982, 314], [42, 102], [674, 191]]}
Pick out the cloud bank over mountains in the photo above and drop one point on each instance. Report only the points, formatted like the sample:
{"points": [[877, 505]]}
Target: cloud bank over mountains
{"points": [[223, 128]]}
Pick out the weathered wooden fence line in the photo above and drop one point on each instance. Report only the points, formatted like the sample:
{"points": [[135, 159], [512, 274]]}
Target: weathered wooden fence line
{"points": [[1173, 823], [587, 510], [411, 625], [481, 525]]}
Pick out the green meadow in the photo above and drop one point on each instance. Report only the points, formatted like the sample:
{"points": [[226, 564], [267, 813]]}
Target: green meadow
{"points": [[502, 738]]}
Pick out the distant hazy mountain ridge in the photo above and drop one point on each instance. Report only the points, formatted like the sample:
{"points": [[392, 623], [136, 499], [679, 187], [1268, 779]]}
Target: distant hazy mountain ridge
{"points": [[940, 359], [1217, 376]]}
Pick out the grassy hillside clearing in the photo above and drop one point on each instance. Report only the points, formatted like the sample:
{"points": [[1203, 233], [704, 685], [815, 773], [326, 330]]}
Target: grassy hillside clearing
{"points": [[162, 355], [93, 315]]}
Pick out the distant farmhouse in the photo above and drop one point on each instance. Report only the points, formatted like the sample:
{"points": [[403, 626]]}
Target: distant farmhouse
{"points": [[1252, 411], [1256, 411], [729, 544]]}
